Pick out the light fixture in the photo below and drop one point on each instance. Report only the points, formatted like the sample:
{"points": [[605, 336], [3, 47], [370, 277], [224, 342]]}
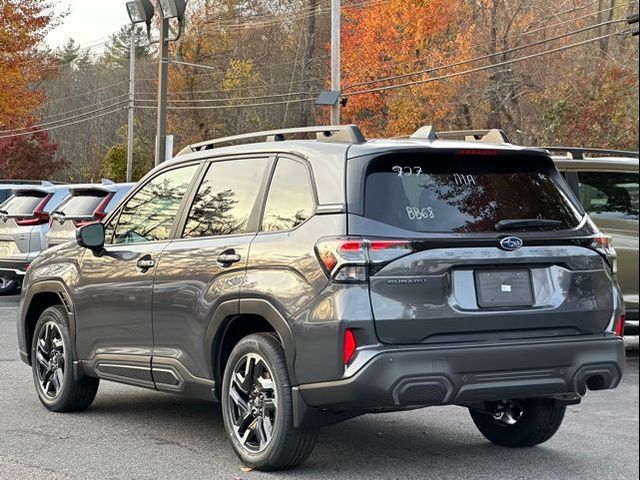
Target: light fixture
{"points": [[173, 8], [328, 98], [140, 11]]}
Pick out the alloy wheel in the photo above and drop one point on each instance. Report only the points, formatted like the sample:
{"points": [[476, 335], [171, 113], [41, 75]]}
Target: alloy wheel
{"points": [[252, 406], [50, 363]]}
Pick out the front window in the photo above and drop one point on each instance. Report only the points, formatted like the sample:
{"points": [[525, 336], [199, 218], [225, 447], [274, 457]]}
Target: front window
{"points": [[149, 215], [447, 192]]}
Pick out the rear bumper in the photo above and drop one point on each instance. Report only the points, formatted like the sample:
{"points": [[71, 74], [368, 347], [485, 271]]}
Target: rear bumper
{"points": [[412, 377], [14, 269]]}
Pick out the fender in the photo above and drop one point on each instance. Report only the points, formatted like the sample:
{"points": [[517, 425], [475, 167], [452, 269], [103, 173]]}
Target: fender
{"points": [[66, 299], [253, 306]]}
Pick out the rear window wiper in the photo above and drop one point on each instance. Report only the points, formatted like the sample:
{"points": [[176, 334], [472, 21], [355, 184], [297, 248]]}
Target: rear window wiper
{"points": [[526, 223]]}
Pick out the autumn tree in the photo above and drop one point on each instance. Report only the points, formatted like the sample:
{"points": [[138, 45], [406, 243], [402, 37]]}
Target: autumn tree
{"points": [[23, 26], [30, 156], [387, 39]]}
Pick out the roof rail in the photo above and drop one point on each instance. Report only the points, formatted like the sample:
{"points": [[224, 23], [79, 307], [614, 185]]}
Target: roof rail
{"points": [[337, 133], [493, 136], [578, 153]]}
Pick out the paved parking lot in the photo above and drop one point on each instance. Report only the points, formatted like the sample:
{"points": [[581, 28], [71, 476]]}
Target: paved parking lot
{"points": [[133, 433]]}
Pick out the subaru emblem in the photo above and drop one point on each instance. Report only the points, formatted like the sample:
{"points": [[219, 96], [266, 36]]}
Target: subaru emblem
{"points": [[511, 243]]}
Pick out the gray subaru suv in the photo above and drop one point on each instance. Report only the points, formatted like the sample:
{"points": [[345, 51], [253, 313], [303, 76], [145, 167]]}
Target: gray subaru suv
{"points": [[302, 282]]}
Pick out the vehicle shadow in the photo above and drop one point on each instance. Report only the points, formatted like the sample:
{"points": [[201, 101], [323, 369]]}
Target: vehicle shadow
{"points": [[442, 442]]}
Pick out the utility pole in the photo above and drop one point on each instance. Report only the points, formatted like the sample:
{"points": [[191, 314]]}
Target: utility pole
{"points": [[335, 58], [161, 136], [132, 91]]}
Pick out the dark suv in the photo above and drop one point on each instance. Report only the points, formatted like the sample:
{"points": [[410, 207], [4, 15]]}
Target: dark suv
{"points": [[302, 282]]}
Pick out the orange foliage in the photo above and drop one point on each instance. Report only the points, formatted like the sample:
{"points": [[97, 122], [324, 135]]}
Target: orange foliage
{"points": [[23, 26], [397, 37]]}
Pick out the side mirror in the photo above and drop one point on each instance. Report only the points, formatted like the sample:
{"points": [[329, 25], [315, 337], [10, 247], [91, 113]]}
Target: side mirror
{"points": [[91, 236]]}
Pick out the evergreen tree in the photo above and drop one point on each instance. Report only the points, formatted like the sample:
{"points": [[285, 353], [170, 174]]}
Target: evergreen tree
{"points": [[118, 49]]}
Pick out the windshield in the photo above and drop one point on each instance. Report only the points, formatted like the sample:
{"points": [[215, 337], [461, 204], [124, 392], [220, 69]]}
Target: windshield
{"points": [[447, 192], [22, 204], [81, 204]]}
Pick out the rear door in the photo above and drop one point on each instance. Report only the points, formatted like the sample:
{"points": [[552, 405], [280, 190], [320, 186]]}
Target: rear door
{"points": [[205, 266], [493, 248]]}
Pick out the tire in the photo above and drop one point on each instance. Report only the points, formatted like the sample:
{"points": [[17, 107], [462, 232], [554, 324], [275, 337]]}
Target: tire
{"points": [[271, 441], [57, 388], [8, 286], [539, 421]]}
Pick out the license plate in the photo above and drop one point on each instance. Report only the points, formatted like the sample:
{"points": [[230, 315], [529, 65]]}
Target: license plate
{"points": [[504, 288], [6, 248]]}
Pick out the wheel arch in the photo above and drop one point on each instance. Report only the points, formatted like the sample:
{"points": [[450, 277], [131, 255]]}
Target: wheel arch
{"points": [[235, 319], [38, 298]]}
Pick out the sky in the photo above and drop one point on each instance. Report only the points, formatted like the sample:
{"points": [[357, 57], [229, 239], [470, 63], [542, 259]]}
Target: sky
{"points": [[88, 21]]}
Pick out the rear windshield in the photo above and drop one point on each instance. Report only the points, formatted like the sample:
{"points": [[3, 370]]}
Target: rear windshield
{"points": [[23, 203], [81, 204], [458, 193]]}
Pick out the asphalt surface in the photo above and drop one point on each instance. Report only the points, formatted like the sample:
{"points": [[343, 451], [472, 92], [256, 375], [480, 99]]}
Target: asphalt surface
{"points": [[131, 433]]}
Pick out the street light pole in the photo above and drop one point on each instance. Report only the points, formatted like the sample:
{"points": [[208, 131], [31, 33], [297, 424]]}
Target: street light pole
{"points": [[335, 58], [161, 136], [132, 91]]}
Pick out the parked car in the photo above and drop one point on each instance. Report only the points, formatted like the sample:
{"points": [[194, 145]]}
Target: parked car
{"points": [[606, 182], [86, 203], [24, 221], [304, 282]]}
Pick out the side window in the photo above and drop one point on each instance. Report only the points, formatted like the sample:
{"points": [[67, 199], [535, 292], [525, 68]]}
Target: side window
{"points": [[226, 198], [148, 216], [612, 194], [290, 201]]}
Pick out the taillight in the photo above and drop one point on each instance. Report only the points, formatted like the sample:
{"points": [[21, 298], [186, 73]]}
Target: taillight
{"points": [[350, 259], [99, 213], [39, 216], [348, 346], [618, 326], [602, 244], [478, 152]]}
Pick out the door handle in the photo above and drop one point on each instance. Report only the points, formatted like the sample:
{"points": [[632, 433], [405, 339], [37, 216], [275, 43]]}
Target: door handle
{"points": [[228, 258], [145, 263]]}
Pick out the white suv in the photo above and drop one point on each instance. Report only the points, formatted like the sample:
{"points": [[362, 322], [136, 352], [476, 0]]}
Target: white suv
{"points": [[24, 221]]}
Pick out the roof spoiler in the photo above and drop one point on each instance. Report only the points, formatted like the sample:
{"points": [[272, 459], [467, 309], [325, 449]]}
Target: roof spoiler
{"points": [[329, 134]]}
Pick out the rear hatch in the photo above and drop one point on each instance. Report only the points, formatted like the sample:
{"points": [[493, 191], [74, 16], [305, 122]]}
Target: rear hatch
{"points": [[485, 245], [19, 216], [84, 204]]}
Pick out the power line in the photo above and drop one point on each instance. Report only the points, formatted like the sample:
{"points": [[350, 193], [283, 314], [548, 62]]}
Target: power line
{"points": [[106, 107], [483, 57], [55, 127], [224, 107], [47, 117], [254, 87], [480, 69], [92, 92], [219, 100]]}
